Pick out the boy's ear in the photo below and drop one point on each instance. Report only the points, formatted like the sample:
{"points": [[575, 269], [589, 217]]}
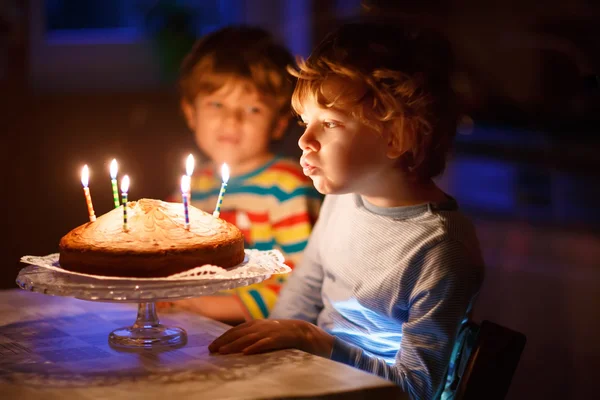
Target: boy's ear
{"points": [[189, 112], [280, 126], [393, 152], [393, 149]]}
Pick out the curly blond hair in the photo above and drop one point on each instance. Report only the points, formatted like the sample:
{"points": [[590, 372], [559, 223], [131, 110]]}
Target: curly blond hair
{"points": [[395, 79]]}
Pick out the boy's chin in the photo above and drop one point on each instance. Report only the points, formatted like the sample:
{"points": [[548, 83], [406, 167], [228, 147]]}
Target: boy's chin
{"points": [[325, 187]]}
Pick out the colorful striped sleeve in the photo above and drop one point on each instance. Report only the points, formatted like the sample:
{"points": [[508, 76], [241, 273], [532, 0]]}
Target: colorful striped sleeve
{"points": [[291, 231], [291, 220], [257, 300], [292, 223]]}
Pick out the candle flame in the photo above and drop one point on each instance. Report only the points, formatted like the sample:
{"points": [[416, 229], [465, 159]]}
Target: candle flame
{"points": [[189, 165], [85, 176], [185, 184], [225, 173], [125, 184], [114, 168]]}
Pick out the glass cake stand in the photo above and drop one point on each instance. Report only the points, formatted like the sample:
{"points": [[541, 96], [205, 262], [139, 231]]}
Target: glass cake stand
{"points": [[147, 331]]}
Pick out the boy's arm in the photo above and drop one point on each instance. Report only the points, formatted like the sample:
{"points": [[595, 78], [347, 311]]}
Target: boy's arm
{"points": [[224, 308], [300, 298], [438, 303]]}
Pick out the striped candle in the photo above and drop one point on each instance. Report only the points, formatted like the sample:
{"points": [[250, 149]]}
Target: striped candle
{"points": [[114, 167], [124, 190], [185, 194], [225, 177], [85, 177]]}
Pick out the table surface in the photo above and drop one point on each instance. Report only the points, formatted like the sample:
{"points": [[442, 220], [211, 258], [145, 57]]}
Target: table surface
{"points": [[57, 348]]}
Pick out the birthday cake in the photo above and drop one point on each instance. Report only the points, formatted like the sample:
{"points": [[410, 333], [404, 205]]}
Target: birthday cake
{"points": [[154, 244]]}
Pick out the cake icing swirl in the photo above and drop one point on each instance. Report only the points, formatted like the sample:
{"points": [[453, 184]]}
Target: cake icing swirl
{"points": [[152, 224]]}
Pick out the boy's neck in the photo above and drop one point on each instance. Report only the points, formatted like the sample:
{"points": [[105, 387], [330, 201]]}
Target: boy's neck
{"points": [[401, 190], [248, 166]]}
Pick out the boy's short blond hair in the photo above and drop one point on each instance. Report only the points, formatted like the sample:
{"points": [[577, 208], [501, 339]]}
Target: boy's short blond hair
{"points": [[234, 54], [396, 79]]}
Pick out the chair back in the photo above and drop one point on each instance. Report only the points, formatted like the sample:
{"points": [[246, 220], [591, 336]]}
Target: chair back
{"points": [[485, 361]]}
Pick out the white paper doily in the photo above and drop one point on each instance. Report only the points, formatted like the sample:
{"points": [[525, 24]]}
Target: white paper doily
{"points": [[256, 263], [44, 275]]}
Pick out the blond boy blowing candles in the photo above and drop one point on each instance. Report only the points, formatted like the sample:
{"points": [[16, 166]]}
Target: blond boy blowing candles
{"points": [[392, 267], [236, 99]]}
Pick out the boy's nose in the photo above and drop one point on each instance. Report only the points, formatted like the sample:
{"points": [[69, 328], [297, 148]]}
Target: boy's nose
{"points": [[234, 116], [308, 141]]}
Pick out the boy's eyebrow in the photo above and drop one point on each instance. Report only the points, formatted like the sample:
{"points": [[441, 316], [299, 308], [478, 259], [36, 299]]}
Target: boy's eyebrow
{"points": [[335, 113], [330, 112]]}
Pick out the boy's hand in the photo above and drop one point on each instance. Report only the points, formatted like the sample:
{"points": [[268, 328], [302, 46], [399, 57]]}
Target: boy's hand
{"points": [[260, 336], [164, 305]]}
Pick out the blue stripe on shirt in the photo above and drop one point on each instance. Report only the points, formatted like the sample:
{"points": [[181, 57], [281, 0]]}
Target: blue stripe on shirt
{"points": [[259, 302], [274, 191], [294, 247]]}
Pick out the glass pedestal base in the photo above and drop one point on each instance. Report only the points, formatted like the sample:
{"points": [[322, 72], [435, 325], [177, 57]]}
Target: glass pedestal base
{"points": [[44, 275], [147, 332]]}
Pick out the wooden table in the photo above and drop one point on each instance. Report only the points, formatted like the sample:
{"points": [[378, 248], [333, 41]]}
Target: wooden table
{"points": [[57, 348]]}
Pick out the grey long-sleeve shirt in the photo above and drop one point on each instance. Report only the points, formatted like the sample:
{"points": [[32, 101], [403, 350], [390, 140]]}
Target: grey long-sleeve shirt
{"points": [[393, 285]]}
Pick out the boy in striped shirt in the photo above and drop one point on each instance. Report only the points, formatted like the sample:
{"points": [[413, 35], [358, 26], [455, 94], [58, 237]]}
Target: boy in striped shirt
{"points": [[392, 267], [236, 99]]}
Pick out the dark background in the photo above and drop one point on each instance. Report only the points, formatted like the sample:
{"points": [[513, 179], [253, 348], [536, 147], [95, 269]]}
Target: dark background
{"points": [[86, 81]]}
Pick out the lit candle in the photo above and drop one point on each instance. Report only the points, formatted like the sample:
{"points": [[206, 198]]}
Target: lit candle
{"points": [[185, 193], [85, 178], [225, 177], [189, 170], [124, 190], [114, 168], [189, 165]]}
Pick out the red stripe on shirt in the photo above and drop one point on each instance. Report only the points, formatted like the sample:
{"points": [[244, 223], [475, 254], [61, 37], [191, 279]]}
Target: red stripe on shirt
{"points": [[231, 216], [208, 171], [293, 220], [292, 170], [257, 217]]}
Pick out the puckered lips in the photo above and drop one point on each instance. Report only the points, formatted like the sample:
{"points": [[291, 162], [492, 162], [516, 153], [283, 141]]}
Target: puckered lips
{"points": [[308, 168]]}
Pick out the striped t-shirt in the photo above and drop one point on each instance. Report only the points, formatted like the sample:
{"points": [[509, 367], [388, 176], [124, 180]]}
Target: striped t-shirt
{"points": [[275, 207], [393, 285]]}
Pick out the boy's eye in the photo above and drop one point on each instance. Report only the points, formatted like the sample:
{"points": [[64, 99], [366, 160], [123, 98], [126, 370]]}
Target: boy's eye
{"points": [[330, 124], [215, 104], [254, 110]]}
